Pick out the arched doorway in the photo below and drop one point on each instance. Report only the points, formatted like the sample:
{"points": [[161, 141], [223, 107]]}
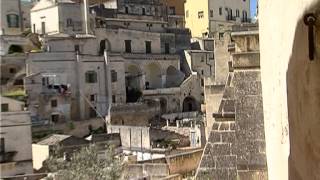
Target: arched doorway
{"points": [[173, 77], [15, 49], [189, 104], [133, 83], [153, 76]]}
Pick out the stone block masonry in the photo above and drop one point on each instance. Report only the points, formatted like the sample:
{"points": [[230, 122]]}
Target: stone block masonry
{"points": [[236, 145]]}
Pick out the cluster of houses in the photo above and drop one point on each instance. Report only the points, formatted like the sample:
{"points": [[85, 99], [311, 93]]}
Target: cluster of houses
{"points": [[143, 75]]}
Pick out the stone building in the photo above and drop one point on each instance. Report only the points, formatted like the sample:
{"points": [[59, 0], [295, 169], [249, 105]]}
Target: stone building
{"points": [[64, 86], [236, 144], [16, 153], [206, 17]]}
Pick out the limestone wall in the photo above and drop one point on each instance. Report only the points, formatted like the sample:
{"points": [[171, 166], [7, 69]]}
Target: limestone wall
{"points": [[290, 85]]}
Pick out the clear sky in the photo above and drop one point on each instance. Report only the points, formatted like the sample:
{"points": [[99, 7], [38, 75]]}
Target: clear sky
{"points": [[253, 5]]}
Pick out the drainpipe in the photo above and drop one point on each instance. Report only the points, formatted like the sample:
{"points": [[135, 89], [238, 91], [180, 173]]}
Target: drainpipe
{"points": [[108, 86], [85, 8], [20, 16]]}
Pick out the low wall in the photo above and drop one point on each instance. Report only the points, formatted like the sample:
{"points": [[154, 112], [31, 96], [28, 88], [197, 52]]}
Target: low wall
{"points": [[136, 171]]}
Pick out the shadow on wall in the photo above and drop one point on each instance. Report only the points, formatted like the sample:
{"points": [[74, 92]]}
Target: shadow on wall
{"points": [[303, 95]]}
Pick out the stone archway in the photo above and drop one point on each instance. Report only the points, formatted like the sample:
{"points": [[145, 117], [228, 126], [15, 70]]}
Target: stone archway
{"points": [[189, 104], [15, 49], [153, 76], [173, 77]]}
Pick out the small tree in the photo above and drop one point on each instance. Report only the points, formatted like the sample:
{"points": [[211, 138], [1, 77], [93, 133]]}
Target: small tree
{"points": [[88, 163]]}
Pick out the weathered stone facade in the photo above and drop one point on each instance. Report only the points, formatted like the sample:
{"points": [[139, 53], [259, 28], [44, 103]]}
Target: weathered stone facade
{"points": [[236, 145]]}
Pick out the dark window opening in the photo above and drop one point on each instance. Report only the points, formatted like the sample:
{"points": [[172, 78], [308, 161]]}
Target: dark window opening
{"points": [[220, 11], [166, 48], [113, 99], [202, 82], [128, 46], [4, 107], [55, 118], [92, 97], [43, 27], [126, 10], [12, 70], [54, 103], [13, 20], [77, 48], [34, 28], [148, 47], [91, 77], [211, 13], [143, 11], [15, 49], [102, 47], [2, 146], [113, 76], [172, 11]]}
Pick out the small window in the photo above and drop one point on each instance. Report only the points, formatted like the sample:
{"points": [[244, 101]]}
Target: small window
{"points": [[45, 81], [13, 20], [113, 99], [12, 70], [221, 36], [54, 103], [69, 22], [172, 11], [34, 28], [202, 58], [77, 48], [114, 76], [127, 46], [220, 11], [126, 10], [148, 47], [211, 13], [187, 13], [55, 118], [143, 11], [2, 146], [200, 14], [92, 97], [166, 48], [202, 72], [91, 77], [92, 112], [4, 107], [202, 82]]}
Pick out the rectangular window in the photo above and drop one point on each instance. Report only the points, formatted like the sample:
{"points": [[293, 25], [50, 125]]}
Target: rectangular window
{"points": [[77, 48], [55, 118], [211, 13], [128, 46], [4, 107], [92, 97], [220, 11], [200, 14], [114, 76], [12, 70], [126, 10], [91, 77], [166, 48], [2, 146], [202, 72], [13, 20], [54, 103], [148, 47], [202, 82], [143, 11], [172, 11], [113, 99], [43, 27]]}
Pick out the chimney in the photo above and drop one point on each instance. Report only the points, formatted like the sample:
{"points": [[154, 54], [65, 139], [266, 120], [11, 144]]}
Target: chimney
{"points": [[86, 18]]}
